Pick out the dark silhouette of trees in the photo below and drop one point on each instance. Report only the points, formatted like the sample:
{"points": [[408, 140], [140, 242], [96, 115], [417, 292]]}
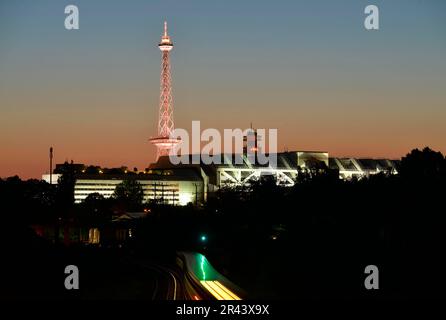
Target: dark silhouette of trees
{"points": [[95, 203], [26, 201], [321, 233], [316, 170], [94, 198], [96, 209], [65, 187], [423, 165], [130, 194], [325, 231]]}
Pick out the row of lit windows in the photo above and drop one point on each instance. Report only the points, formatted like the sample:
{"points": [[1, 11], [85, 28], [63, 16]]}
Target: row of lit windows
{"points": [[171, 193], [95, 189], [114, 183], [170, 196], [159, 194], [108, 187], [108, 191], [167, 196]]}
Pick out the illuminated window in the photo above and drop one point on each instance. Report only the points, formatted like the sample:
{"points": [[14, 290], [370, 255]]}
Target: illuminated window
{"points": [[184, 198], [93, 236]]}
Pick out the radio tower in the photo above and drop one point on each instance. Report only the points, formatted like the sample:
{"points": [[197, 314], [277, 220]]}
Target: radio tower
{"points": [[164, 142]]}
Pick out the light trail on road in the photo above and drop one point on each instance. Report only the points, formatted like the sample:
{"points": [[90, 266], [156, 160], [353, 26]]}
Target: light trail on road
{"points": [[219, 291], [175, 286]]}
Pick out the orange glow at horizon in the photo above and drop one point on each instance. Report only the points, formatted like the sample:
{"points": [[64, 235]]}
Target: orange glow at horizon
{"points": [[93, 94]]}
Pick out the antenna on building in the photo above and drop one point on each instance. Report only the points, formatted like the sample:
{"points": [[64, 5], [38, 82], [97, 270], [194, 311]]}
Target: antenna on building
{"points": [[51, 165]]}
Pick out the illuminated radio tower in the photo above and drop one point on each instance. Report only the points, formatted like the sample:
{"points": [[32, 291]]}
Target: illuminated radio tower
{"points": [[163, 142]]}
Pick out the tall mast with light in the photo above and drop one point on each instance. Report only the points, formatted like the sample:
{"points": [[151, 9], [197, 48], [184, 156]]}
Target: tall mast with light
{"points": [[164, 142]]}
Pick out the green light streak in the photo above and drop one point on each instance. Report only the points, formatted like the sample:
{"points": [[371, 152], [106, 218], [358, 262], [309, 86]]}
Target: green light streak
{"points": [[202, 267]]}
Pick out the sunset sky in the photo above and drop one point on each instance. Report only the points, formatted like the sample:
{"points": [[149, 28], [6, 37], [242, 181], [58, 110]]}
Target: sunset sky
{"points": [[307, 68]]}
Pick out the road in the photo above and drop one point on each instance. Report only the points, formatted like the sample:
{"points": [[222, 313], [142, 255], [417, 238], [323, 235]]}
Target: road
{"points": [[195, 280], [169, 282], [114, 275]]}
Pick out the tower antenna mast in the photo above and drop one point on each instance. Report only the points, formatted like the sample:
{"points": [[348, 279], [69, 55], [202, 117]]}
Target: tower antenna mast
{"points": [[164, 142], [51, 165]]}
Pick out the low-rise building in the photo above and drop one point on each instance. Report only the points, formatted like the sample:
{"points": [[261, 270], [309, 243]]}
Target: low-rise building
{"points": [[190, 183]]}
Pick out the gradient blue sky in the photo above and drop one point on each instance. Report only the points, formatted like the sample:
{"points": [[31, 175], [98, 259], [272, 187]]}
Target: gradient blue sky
{"points": [[307, 68]]}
